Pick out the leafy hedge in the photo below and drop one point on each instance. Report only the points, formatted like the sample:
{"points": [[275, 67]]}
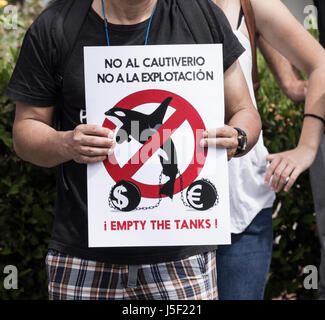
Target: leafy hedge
{"points": [[27, 194], [296, 244]]}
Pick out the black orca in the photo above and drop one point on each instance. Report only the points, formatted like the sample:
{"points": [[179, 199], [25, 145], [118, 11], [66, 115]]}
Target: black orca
{"points": [[134, 124]]}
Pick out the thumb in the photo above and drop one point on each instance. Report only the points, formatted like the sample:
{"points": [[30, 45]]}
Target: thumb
{"points": [[306, 87], [270, 157]]}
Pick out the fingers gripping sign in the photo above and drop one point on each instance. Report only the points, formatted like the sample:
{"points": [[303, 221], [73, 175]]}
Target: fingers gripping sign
{"points": [[224, 137], [90, 143]]}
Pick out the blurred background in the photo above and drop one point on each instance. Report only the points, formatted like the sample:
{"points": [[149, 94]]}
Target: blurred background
{"points": [[297, 8], [27, 192]]}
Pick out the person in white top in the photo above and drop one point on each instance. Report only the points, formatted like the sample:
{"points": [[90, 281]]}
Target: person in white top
{"points": [[243, 266]]}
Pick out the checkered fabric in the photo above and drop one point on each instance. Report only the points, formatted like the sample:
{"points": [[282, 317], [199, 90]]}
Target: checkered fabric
{"points": [[71, 278]]}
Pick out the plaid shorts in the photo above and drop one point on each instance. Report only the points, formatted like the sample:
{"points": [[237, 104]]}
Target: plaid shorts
{"points": [[71, 278]]}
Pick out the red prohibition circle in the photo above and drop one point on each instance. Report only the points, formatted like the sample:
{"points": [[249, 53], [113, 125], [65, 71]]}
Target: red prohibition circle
{"points": [[184, 112]]}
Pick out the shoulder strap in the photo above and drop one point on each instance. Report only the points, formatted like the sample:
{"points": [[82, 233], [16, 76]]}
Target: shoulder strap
{"points": [[68, 25], [196, 12], [240, 17], [66, 28], [251, 27]]}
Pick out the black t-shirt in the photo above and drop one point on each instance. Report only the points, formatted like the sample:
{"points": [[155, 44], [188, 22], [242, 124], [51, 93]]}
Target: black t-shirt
{"points": [[33, 83]]}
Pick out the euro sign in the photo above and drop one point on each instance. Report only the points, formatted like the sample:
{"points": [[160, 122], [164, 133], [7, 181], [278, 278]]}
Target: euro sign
{"points": [[194, 196], [202, 195], [121, 201]]}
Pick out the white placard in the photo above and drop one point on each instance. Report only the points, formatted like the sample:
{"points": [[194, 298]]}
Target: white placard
{"points": [[160, 187]]}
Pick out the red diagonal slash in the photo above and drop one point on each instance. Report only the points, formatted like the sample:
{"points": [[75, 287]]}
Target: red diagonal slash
{"points": [[184, 111], [152, 145]]}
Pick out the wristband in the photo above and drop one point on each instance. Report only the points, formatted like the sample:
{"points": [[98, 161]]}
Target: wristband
{"points": [[314, 116]]}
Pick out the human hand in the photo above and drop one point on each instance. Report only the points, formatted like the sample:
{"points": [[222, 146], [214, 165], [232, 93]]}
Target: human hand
{"points": [[286, 167], [297, 90], [89, 143], [224, 137]]}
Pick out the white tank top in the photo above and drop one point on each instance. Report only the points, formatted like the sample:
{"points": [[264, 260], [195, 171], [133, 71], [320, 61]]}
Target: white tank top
{"points": [[248, 193]]}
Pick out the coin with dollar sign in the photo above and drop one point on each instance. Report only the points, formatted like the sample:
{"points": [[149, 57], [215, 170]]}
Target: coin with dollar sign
{"points": [[125, 196]]}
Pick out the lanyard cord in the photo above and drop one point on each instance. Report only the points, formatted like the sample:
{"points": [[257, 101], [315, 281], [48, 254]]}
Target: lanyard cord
{"points": [[149, 24], [106, 23], [148, 29]]}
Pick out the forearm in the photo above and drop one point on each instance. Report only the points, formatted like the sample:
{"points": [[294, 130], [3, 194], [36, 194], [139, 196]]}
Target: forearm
{"points": [[311, 136], [283, 71], [315, 99], [239, 109], [313, 129], [248, 120], [40, 144]]}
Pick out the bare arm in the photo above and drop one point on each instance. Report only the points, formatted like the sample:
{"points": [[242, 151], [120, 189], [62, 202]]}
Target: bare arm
{"points": [[240, 113], [37, 142], [287, 76], [277, 25]]}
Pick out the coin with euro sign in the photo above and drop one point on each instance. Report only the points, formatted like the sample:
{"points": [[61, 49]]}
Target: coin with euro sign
{"points": [[125, 196], [201, 195]]}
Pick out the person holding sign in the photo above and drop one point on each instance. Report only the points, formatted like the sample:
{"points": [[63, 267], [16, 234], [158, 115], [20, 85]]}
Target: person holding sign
{"points": [[48, 84], [243, 266]]}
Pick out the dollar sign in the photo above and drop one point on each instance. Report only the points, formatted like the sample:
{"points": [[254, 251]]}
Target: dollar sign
{"points": [[121, 201]]}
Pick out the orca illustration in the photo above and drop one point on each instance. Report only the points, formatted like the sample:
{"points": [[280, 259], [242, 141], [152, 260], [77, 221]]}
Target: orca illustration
{"points": [[151, 123]]}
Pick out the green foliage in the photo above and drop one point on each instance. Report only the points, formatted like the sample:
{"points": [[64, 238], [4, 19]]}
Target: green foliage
{"points": [[27, 193], [296, 244]]}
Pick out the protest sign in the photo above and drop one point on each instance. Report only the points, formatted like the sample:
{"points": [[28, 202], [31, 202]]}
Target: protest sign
{"points": [[159, 187]]}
